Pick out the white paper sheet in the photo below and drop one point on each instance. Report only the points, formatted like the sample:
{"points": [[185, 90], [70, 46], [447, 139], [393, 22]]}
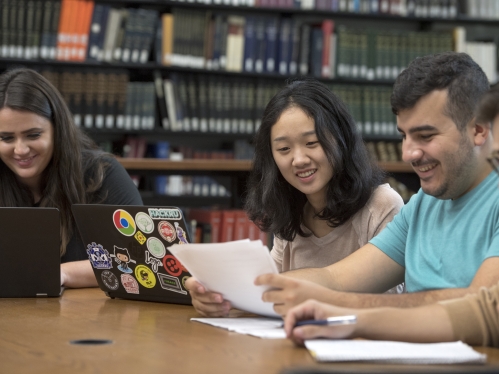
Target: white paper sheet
{"points": [[230, 269], [266, 328], [393, 352]]}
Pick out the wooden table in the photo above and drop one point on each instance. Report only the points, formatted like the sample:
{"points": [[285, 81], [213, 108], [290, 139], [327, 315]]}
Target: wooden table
{"points": [[36, 337]]}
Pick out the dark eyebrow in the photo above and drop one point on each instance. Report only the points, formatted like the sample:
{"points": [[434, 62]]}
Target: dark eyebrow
{"points": [[24, 132], [308, 133], [418, 129]]}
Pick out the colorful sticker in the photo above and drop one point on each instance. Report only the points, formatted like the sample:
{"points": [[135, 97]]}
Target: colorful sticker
{"points": [[145, 276], [172, 265], [129, 283], [166, 231], [156, 247], [153, 261], [170, 283], [144, 222], [123, 221], [99, 257], [122, 257], [140, 237], [165, 213], [181, 234], [110, 280]]}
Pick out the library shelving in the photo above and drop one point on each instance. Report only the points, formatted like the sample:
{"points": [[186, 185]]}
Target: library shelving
{"points": [[188, 80]]}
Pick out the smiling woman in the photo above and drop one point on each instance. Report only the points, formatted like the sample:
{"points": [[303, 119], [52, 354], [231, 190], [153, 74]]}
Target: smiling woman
{"points": [[313, 185], [46, 161]]}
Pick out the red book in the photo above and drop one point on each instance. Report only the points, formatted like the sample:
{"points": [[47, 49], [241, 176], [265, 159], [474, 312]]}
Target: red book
{"points": [[241, 225], [210, 217], [228, 223], [327, 32]]}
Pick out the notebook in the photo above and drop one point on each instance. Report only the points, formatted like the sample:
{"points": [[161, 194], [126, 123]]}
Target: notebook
{"points": [[30, 252], [128, 249]]}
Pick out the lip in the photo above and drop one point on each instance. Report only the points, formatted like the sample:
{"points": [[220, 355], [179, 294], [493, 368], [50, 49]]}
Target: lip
{"points": [[425, 174], [25, 162], [308, 178]]}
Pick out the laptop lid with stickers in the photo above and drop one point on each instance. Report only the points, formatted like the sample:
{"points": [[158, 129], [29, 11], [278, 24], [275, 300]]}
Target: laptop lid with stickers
{"points": [[128, 249], [30, 252]]}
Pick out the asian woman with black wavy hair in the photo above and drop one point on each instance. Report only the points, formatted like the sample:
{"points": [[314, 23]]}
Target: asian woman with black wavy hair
{"points": [[46, 161], [313, 185]]}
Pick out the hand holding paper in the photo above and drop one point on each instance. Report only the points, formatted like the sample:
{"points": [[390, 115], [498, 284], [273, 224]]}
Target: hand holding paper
{"points": [[230, 269]]}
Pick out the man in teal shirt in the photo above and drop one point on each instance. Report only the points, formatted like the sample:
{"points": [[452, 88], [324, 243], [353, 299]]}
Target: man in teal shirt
{"points": [[438, 243]]}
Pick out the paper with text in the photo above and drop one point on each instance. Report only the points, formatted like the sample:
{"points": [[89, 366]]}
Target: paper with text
{"points": [[230, 269], [394, 352], [266, 328]]}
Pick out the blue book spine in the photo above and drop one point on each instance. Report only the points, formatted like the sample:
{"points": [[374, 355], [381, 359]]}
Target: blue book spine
{"points": [[271, 44], [249, 44], [284, 46]]}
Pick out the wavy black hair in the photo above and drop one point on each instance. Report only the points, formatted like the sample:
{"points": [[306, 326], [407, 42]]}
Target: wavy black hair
{"points": [[276, 206]]}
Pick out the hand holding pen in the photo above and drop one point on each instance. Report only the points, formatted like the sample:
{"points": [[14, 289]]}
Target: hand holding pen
{"points": [[313, 319]]}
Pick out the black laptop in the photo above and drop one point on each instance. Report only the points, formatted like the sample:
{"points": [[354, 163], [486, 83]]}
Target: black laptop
{"points": [[128, 249], [30, 252]]}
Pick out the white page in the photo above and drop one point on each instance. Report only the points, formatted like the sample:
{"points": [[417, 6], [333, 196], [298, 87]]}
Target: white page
{"points": [[230, 269], [267, 328], [393, 352]]}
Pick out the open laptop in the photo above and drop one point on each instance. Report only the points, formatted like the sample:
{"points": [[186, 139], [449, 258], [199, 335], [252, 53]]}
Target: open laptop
{"points": [[128, 249], [30, 252]]}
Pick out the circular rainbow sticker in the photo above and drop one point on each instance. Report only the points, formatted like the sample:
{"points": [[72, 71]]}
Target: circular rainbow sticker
{"points": [[124, 222]]}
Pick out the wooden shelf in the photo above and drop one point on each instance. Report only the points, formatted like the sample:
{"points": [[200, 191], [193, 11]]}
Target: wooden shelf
{"points": [[396, 167], [191, 165], [222, 165]]}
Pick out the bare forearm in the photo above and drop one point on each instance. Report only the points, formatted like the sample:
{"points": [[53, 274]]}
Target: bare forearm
{"points": [[321, 276], [425, 324], [358, 300], [77, 274]]}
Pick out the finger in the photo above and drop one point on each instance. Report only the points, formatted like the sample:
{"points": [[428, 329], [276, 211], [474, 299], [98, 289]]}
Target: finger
{"points": [[207, 297], [212, 310], [330, 332], [306, 310], [273, 296], [273, 280], [192, 284]]}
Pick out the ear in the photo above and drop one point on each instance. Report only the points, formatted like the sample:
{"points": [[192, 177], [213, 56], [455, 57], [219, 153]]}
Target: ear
{"points": [[481, 132]]}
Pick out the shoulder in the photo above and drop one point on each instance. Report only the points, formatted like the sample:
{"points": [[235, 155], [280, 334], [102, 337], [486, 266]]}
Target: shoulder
{"points": [[384, 197]]}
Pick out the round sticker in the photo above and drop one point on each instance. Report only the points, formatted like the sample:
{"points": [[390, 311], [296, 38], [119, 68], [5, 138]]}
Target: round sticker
{"points": [[124, 222], [144, 222], [110, 280], [167, 231], [145, 276], [129, 283], [156, 247], [172, 265]]}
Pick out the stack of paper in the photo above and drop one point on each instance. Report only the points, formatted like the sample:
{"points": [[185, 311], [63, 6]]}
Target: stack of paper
{"points": [[393, 352], [266, 328], [230, 269]]}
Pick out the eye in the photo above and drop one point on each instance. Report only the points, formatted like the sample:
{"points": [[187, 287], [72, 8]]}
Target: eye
{"points": [[6, 138], [34, 135], [312, 143], [426, 136], [283, 149]]}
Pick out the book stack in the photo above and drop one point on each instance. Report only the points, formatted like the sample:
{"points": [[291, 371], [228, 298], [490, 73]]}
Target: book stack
{"points": [[219, 226]]}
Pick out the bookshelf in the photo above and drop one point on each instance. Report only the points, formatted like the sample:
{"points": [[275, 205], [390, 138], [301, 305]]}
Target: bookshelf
{"points": [[123, 92]]}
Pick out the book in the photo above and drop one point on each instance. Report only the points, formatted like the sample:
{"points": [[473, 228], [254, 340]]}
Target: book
{"points": [[228, 220], [304, 48], [249, 44], [284, 46], [327, 33], [271, 32], [235, 43], [97, 32], [211, 217], [160, 99], [167, 38]]}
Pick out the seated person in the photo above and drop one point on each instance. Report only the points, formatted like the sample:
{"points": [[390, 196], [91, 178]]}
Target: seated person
{"points": [[445, 241], [313, 184], [46, 161]]}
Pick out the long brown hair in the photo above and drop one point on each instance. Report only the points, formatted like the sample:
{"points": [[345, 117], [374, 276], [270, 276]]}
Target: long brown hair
{"points": [[76, 170]]}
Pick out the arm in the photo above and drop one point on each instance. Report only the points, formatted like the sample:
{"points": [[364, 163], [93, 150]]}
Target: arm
{"points": [[291, 292], [425, 324], [77, 274]]}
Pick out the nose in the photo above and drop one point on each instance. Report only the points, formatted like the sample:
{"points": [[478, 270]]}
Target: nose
{"points": [[411, 152], [300, 158], [21, 148]]}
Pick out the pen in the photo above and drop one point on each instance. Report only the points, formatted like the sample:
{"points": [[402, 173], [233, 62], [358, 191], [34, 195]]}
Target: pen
{"points": [[331, 321]]}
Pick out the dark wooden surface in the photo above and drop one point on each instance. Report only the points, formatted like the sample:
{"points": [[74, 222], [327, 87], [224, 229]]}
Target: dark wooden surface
{"points": [[36, 336]]}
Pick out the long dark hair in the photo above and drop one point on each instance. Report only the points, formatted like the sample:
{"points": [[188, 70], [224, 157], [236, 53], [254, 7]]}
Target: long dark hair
{"points": [[76, 170], [276, 206]]}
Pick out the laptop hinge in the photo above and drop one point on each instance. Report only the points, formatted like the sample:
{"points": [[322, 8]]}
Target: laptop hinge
{"points": [[41, 295]]}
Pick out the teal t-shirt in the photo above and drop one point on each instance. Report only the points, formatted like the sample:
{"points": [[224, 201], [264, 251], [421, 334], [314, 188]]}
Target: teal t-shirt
{"points": [[442, 243]]}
